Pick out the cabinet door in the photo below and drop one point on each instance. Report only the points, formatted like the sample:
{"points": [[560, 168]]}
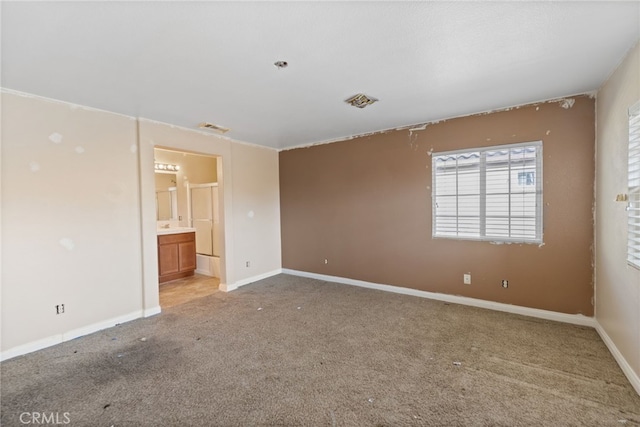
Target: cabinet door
{"points": [[187, 255], [168, 259]]}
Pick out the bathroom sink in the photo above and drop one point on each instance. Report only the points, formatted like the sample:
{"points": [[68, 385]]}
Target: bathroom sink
{"points": [[175, 230]]}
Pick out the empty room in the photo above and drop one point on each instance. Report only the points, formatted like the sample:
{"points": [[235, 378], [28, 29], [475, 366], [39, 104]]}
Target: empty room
{"points": [[358, 213]]}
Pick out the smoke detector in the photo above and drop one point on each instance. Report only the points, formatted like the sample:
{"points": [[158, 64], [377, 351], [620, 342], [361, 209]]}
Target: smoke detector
{"points": [[211, 126], [360, 100]]}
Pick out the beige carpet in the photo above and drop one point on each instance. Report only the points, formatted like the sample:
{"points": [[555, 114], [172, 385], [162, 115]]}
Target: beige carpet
{"points": [[290, 351]]}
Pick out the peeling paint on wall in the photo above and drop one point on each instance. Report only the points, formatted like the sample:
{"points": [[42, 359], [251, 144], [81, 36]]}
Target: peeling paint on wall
{"points": [[567, 103], [418, 128], [413, 138]]}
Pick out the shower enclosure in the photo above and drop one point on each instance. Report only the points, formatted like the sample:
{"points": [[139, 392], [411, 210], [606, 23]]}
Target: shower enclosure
{"points": [[204, 216]]}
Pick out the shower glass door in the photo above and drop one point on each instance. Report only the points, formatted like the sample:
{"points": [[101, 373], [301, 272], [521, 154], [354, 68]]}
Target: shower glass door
{"points": [[205, 217]]}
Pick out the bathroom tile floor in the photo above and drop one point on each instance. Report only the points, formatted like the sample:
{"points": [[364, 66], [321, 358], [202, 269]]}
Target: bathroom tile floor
{"points": [[184, 290]]}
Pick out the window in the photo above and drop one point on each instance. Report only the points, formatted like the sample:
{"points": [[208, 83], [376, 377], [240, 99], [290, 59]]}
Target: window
{"points": [[492, 193], [633, 208], [526, 178]]}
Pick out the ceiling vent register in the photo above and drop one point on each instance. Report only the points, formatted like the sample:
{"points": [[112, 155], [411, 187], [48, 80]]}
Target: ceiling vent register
{"points": [[211, 126], [360, 100]]}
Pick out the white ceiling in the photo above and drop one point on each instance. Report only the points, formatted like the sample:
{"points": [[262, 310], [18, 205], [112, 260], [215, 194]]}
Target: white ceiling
{"points": [[188, 62]]}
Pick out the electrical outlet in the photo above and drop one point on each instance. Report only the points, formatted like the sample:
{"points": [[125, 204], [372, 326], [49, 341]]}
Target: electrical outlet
{"points": [[248, 263], [326, 261], [59, 308], [505, 284], [466, 278]]}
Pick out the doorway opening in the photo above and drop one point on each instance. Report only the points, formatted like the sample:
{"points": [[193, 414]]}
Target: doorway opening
{"points": [[188, 198]]}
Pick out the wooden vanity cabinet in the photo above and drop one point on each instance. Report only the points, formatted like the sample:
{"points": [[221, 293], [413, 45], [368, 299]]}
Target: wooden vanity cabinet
{"points": [[176, 256]]}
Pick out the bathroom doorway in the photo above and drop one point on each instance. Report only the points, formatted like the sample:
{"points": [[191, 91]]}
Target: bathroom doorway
{"points": [[196, 207]]}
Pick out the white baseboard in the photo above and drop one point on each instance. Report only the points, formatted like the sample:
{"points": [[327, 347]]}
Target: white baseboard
{"points": [[631, 375], [30, 347], [67, 336], [151, 311], [225, 287], [576, 319]]}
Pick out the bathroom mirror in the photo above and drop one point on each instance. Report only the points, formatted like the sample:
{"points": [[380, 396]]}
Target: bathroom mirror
{"points": [[166, 197]]}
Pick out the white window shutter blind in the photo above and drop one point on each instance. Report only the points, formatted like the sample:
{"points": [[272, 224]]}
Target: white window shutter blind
{"points": [[490, 194]]}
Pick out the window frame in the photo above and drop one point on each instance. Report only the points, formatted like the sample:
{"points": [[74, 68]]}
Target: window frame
{"points": [[482, 233]]}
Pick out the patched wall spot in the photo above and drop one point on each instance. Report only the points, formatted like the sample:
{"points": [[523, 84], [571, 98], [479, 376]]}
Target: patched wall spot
{"points": [[55, 137], [79, 149], [133, 148], [67, 243], [34, 166]]}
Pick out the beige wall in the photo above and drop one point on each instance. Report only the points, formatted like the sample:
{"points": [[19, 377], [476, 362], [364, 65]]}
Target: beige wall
{"points": [[71, 219], [617, 284], [79, 223], [365, 206], [256, 206]]}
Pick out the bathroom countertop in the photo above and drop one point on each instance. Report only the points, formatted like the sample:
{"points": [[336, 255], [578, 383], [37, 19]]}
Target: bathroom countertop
{"points": [[175, 230]]}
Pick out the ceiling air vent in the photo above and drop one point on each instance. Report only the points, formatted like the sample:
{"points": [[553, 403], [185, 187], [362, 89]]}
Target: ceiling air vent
{"points": [[360, 100], [211, 126]]}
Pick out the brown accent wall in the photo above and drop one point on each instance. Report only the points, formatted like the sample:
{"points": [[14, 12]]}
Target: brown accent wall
{"points": [[365, 205]]}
